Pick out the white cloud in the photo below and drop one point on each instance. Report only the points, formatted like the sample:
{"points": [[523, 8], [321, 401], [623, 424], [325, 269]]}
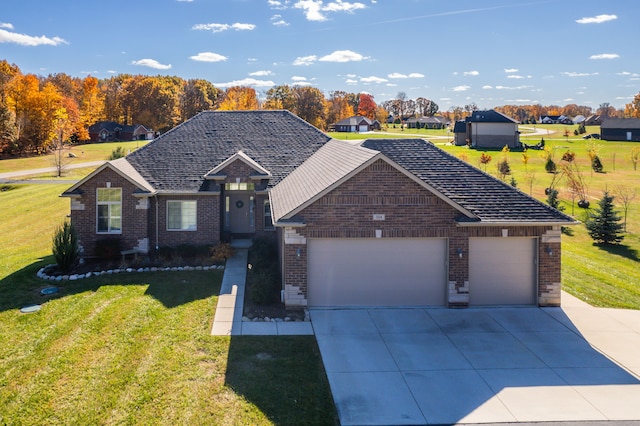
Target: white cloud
{"points": [[515, 76], [463, 88], [392, 85], [578, 74], [487, 87], [151, 63], [399, 75], [217, 28], [343, 56], [27, 40], [112, 72], [471, 73], [351, 81], [605, 56], [6, 25], [510, 70], [247, 82], [278, 5], [261, 73], [208, 57], [305, 60], [373, 79], [184, 1], [277, 21], [298, 78], [512, 87], [596, 19], [314, 10]]}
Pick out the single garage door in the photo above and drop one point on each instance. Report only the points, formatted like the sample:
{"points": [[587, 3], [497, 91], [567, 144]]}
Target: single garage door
{"points": [[377, 272], [502, 271]]}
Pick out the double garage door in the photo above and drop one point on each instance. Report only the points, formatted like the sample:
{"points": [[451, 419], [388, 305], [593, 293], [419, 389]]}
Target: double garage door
{"points": [[377, 272], [413, 272]]}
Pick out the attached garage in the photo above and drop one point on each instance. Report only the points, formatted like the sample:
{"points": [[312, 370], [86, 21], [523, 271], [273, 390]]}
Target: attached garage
{"points": [[502, 271], [377, 272]]}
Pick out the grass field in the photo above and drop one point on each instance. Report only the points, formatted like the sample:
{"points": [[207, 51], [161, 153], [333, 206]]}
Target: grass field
{"points": [[134, 348]]}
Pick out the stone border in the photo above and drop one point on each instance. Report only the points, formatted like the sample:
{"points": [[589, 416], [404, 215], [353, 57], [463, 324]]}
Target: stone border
{"points": [[74, 277]]}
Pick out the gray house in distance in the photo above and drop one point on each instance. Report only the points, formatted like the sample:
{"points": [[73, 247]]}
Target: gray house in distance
{"points": [[620, 129], [491, 129]]}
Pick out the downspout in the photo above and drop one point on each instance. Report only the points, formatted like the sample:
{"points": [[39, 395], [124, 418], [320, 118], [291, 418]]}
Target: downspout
{"points": [[157, 218]]}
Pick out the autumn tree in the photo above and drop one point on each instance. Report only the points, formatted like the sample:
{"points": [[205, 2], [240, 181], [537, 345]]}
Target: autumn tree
{"points": [[279, 97], [632, 110], [310, 106], [367, 106], [152, 101], [338, 106], [197, 95], [238, 98], [426, 107], [91, 105]]}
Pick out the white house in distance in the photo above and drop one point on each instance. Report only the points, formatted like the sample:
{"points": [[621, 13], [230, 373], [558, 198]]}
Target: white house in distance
{"points": [[491, 129]]}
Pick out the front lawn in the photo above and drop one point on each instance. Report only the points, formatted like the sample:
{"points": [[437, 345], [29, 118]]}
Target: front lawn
{"points": [[134, 348]]}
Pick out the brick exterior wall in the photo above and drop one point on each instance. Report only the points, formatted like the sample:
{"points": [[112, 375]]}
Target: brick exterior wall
{"points": [[84, 216], [410, 211], [207, 221]]}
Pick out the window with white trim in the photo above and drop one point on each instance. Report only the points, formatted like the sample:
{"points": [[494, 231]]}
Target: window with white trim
{"points": [[109, 210], [268, 223], [181, 215]]}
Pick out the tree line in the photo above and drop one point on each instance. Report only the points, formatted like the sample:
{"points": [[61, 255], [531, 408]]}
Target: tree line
{"points": [[38, 112]]}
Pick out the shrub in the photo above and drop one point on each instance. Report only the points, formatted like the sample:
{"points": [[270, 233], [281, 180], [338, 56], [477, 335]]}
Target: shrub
{"points": [[550, 165], [117, 153], [553, 201], [596, 164], [65, 247], [485, 159], [221, 252], [264, 273], [504, 168]]}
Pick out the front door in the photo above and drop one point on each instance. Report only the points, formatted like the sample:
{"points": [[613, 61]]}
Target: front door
{"points": [[240, 213]]}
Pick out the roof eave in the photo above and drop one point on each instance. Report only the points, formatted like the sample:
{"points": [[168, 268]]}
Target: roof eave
{"points": [[516, 223]]}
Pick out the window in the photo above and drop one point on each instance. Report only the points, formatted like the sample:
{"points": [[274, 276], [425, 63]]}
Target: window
{"points": [[268, 223], [181, 215], [109, 203], [240, 186]]}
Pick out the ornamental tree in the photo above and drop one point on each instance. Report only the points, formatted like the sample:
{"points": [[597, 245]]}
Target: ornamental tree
{"points": [[603, 223]]}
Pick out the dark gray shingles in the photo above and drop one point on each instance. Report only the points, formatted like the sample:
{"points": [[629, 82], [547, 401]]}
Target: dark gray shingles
{"points": [[488, 198], [177, 160]]}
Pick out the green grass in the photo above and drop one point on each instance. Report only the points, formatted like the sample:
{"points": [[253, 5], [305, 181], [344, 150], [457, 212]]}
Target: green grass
{"points": [[83, 153], [134, 348]]}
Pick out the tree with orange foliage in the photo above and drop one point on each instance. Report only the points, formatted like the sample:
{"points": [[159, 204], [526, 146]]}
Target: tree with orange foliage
{"points": [[238, 98], [632, 110], [366, 106]]}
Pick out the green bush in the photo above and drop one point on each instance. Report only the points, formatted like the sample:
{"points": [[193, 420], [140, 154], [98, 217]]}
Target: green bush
{"points": [[65, 247], [117, 153], [596, 164], [550, 166]]}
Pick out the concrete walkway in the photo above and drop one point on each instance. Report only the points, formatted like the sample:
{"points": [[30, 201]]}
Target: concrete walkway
{"points": [[228, 316]]}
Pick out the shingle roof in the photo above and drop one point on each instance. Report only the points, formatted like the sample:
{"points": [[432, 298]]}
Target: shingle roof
{"points": [[487, 198], [620, 123], [179, 159], [489, 116], [328, 166], [352, 121]]}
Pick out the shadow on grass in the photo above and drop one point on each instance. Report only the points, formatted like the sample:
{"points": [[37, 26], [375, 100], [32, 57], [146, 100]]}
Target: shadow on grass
{"points": [[171, 288], [620, 250], [283, 376]]}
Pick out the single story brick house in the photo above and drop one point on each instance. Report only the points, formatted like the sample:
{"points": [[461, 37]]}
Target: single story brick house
{"points": [[356, 124], [110, 131], [358, 223]]}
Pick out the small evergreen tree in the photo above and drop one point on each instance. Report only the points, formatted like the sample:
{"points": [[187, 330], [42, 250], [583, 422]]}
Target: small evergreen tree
{"points": [[603, 223], [66, 249], [553, 201]]}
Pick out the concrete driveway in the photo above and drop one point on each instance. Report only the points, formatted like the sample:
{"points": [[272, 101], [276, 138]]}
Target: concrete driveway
{"points": [[442, 366]]}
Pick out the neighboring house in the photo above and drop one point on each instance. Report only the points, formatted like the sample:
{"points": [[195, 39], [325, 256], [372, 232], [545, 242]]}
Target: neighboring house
{"points": [[460, 133], [593, 120], [555, 119], [356, 124], [491, 129], [620, 129], [578, 119], [359, 223], [435, 122], [110, 131]]}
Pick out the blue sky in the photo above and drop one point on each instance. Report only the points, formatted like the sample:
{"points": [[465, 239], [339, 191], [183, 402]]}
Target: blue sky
{"points": [[491, 52]]}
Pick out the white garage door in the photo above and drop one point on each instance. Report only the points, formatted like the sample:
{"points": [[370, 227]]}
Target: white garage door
{"points": [[377, 272], [502, 271]]}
